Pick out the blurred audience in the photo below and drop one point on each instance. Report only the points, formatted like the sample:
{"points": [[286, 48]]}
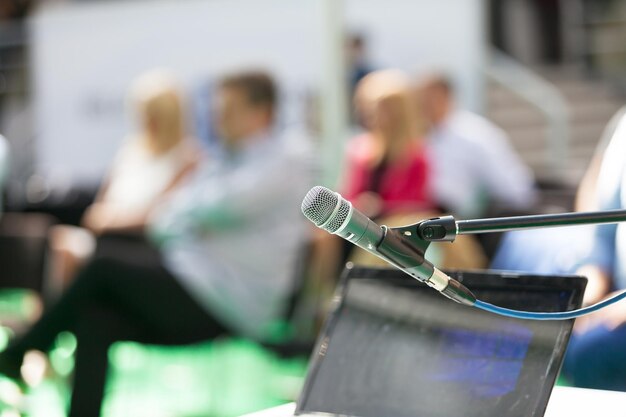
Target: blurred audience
{"points": [[387, 176], [228, 240], [474, 168], [149, 165]]}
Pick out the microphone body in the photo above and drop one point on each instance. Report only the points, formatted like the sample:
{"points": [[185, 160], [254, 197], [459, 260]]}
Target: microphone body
{"points": [[331, 212]]}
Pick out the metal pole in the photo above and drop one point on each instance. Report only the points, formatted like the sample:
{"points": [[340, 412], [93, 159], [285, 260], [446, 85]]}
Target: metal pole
{"points": [[334, 100], [466, 227]]}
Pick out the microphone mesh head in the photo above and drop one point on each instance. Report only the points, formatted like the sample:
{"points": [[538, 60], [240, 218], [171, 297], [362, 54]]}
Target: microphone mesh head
{"points": [[340, 217], [318, 204]]}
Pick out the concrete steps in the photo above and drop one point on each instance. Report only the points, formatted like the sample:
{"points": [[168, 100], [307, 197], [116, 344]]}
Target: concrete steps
{"points": [[591, 103]]}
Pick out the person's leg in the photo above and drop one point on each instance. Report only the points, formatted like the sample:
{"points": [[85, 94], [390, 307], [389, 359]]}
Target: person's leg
{"points": [[144, 304], [70, 247], [97, 330], [597, 359], [118, 299], [63, 314], [129, 276]]}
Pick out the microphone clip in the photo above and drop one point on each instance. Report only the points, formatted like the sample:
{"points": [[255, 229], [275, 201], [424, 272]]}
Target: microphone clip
{"points": [[438, 229]]}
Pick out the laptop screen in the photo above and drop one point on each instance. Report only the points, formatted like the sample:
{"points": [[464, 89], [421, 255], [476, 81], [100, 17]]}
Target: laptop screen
{"points": [[394, 348]]}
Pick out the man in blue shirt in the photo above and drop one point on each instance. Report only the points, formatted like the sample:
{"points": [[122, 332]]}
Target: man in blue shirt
{"points": [[227, 244]]}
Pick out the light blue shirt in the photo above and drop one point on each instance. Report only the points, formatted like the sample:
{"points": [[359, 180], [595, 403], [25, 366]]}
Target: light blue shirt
{"points": [[233, 232], [473, 165], [609, 242]]}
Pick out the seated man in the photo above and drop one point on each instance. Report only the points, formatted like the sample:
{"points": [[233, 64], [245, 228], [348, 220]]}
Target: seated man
{"points": [[474, 167], [228, 241]]}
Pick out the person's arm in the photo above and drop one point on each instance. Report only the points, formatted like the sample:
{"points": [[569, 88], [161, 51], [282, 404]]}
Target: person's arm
{"points": [[598, 266], [586, 194], [102, 217], [598, 282], [216, 203], [94, 215]]}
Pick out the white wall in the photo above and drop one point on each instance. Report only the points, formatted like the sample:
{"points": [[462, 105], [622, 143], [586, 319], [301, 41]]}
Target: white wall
{"points": [[448, 35]]}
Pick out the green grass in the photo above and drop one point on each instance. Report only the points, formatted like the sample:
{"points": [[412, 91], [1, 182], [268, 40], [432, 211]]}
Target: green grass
{"points": [[214, 379], [221, 378]]}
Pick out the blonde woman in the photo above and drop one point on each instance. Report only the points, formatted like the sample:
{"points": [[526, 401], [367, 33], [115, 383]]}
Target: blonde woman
{"points": [[149, 165], [388, 173], [386, 167]]}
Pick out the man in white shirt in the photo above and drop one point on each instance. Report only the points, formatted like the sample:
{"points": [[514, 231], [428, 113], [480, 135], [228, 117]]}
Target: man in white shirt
{"points": [[473, 166], [228, 243]]}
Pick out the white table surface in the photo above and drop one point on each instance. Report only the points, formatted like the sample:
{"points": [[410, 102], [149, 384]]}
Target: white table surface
{"points": [[564, 402]]}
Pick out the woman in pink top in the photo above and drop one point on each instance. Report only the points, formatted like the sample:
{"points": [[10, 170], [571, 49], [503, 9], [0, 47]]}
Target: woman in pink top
{"points": [[387, 179], [387, 175], [387, 171]]}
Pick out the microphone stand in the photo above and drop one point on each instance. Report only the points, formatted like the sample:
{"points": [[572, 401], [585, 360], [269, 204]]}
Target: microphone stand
{"points": [[446, 228]]}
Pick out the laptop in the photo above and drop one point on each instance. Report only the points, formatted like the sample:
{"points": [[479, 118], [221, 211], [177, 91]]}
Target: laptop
{"points": [[392, 347]]}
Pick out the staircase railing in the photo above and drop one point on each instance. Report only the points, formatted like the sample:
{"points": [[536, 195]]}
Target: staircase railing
{"points": [[542, 95]]}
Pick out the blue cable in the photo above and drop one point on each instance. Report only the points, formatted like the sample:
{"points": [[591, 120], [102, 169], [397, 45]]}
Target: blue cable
{"points": [[561, 315]]}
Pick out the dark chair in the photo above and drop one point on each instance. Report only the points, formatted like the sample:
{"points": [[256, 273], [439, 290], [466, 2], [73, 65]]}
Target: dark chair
{"points": [[23, 248]]}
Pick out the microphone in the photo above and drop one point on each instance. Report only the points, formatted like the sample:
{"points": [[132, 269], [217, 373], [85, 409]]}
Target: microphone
{"points": [[330, 211]]}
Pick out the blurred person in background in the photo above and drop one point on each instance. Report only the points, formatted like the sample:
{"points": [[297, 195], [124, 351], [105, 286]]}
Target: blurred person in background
{"points": [[228, 240], [586, 197], [387, 171], [474, 168], [547, 251], [149, 166], [596, 354], [357, 59]]}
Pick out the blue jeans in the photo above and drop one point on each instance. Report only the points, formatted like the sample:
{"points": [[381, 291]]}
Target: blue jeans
{"points": [[597, 359]]}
